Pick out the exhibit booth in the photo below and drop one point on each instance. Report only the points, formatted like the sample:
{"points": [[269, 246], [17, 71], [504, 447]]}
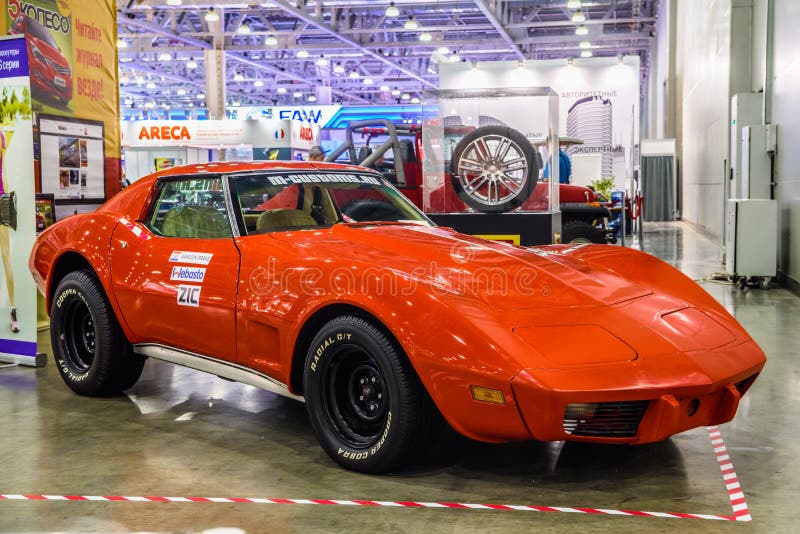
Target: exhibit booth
{"points": [[150, 146]]}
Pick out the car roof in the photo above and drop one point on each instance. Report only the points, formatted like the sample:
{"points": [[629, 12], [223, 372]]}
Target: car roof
{"points": [[235, 167]]}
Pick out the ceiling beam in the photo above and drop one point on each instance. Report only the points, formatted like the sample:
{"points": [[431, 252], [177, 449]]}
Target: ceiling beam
{"points": [[319, 23], [494, 21]]}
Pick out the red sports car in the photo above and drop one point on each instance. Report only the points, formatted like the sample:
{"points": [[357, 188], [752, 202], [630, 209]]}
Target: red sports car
{"points": [[322, 282]]}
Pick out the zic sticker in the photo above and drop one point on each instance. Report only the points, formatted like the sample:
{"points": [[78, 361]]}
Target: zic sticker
{"points": [[196, 258], [189, 296], [188, 274]]}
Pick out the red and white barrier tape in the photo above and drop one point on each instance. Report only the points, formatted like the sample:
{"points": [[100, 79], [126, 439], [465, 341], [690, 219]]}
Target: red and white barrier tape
{"points": [[741, 512]]}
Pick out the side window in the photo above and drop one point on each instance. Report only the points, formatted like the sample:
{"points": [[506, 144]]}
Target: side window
{"points": [[191, 208]]}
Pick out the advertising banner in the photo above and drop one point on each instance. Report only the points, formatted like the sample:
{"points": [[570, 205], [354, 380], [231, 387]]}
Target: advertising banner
{"points": [[17, 206], [73, 71]]}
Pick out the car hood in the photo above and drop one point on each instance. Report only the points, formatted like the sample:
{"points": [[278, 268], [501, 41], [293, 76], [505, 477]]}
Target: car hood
{"points": [[500, 275]]}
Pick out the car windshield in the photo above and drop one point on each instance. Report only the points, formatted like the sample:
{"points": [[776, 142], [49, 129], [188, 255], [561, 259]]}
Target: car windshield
{"points": [[40, 32], [291, 201]]}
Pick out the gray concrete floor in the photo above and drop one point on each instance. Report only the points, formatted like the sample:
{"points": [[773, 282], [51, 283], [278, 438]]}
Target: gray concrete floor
{"points": [[183, 433]]}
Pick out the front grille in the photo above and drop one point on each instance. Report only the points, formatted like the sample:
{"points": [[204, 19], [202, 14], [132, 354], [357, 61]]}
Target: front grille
{"points": [[604, 419], [59, 69]]}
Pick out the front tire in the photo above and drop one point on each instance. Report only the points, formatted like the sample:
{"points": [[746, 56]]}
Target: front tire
{"points": [[367, 407], [90, 349]]}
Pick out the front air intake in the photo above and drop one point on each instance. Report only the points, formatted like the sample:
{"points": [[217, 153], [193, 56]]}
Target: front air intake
{"points": [[604, 419]]}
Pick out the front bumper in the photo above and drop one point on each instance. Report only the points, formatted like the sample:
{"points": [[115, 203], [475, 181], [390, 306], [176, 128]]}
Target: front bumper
{"points": [[673, 403]]}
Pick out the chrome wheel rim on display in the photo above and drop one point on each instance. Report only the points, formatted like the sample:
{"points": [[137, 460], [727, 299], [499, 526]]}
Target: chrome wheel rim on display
{"points": [[493, 170]]}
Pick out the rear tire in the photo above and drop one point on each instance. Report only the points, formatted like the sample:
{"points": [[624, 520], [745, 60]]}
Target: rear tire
{"points": [[89, 347], [368, 409], [582, 232]]}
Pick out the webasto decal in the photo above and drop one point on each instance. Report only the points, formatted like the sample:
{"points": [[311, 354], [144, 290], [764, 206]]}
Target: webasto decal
{"points": [[188, 274], [323, 178]]}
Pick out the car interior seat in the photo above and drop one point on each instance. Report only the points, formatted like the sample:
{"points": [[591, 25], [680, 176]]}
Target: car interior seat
{"points": [[283, 219], [195, 221]]}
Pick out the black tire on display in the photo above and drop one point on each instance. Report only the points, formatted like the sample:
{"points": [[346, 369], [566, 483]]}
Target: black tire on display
{"points": [[581, 232], [494, 169], [89, 347], [367, 406]]}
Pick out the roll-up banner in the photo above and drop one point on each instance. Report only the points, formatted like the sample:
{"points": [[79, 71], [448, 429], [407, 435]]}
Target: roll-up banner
{"points": [[75, 93], [17, 206]]}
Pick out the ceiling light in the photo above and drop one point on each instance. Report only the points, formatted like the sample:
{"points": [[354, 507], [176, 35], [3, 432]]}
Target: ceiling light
{"points": [[201, 96], [392, 11], [212, 16], [122, 43], [322, 62], [128, 101], [255, 55], [150, 85], [191, 64], [579, 17], [368, 81], [338, 68], [258, 83], [244, 29], [354, 74], [584, 45], [581, 30], [236, 103], [574, 4], [405, 96], [302, 54], [180, 92], [411, 24], [586, 53], [149, 105], [271, 41], [384, 87], [297, 94], [425, 37], [174, 2], [396, 92], [165, 56], [312, 98], [443, 51], [281, 90], [238, 77], [415, 100], [190, 104]]}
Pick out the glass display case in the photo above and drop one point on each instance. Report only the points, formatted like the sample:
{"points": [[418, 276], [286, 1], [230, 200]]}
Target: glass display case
{"points": [[490, 162]]}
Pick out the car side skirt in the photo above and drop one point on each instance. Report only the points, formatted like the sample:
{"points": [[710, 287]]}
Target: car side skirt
{"points": [[226, 370]]}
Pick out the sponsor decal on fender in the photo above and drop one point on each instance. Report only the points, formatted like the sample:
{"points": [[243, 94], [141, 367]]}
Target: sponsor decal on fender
{"points": [[195, 258], [189, 296], [188, 274]]}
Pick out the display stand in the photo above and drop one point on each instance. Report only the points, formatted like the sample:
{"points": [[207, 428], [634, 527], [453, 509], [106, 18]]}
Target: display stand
{"points": [[530, 114]]}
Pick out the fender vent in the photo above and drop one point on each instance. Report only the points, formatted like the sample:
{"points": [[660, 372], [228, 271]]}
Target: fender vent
{"points": [[604, 419]]}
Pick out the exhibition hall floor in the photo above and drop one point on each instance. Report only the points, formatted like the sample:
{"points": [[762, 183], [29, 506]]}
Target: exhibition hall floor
{"points": [[180, 433]]}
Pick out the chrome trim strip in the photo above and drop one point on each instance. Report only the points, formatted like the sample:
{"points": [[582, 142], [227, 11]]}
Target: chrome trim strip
{"points": [[230, 371], [226, 191]]}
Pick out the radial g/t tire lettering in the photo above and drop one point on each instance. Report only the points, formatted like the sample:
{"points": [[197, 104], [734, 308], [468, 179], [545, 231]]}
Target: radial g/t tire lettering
{"points": [[367, 407], [89, 347]]}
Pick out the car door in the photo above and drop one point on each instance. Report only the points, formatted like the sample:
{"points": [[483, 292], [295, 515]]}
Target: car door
{"points": [[174, 273]]}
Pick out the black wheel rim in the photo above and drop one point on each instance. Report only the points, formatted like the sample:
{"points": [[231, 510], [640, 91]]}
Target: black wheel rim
{"points": [[78, 336], [354, 396]]}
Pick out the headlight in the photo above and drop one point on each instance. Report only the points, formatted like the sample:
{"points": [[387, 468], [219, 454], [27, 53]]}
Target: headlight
{"points": [[36, 53]]}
